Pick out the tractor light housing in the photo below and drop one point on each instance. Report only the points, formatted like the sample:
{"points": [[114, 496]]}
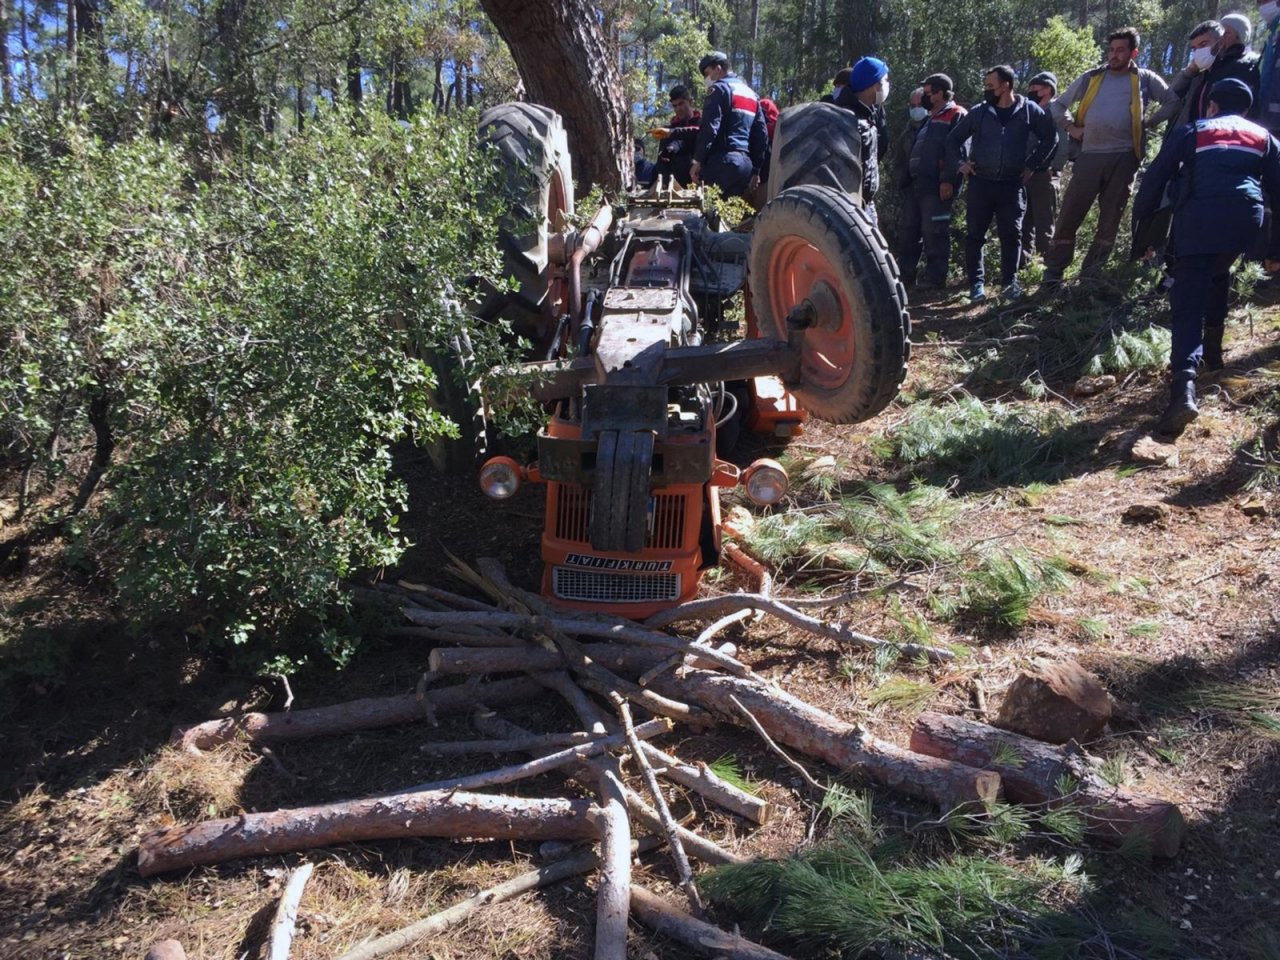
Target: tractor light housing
{"points": [[766, 482], [500, 478]]}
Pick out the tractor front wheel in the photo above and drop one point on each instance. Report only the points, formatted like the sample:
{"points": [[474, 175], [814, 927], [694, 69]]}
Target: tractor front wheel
{"points": [[814, 252]]}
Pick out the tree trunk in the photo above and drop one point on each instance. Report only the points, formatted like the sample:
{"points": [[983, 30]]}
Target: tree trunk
{"points": [[355, 79], [705, 939], [560, 50], [433, 814], [71, 51], [1033, 772], [6, 77]]}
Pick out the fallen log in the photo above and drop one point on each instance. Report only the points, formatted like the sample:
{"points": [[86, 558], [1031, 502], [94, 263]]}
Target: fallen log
{"points": [[1032, 772], [843, 745], [286, 917], [433, 814], [509, 745], [613, 892], [465, 638], [703, 938], [701, 780], [711, 607], [468, 660], [365, 714]]}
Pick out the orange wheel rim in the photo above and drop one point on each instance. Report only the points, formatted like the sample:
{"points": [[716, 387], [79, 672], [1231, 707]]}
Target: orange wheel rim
{"points": [[796, 270]]}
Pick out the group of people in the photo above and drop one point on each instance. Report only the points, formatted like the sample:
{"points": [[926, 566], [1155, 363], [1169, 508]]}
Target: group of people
{"points": [[1201, 204]]}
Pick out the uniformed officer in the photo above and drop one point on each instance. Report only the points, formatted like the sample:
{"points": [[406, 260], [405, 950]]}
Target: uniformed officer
{"points": [[732, 138], [1220, 170]]}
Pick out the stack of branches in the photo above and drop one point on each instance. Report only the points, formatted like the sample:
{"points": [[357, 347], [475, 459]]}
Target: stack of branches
{"points": [[608, 670]]}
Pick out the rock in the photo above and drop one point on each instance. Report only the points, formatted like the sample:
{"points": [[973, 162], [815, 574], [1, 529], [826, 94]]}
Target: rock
{"points": [[1147, 450], [1088, 386], [166, 950], [1150, 512], [1055, 702], [1253, 508]]}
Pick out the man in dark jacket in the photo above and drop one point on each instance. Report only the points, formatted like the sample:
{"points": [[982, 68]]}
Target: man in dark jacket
{"points": [[675, 156], [1010, 138], [1218, 50], [865, 95], [1042, 188], [927, 219], [732, 138], [1220, 171]]}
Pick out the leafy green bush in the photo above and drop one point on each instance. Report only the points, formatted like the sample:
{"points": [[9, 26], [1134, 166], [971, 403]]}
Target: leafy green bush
{"points": [[254, 342]]}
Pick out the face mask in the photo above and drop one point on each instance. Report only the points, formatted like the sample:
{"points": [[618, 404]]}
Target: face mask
{"points": [[1267, 11], [917, 113], [991, 97], [926, 101], [1202, 57], [882, 92], [708, 82]]}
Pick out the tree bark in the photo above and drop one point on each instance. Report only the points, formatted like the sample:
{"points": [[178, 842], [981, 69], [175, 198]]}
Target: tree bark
{"points": [[6, 76], [432, 814], [560, 51], [843, 745], [702, 781], [705, 939], [1033, 772], [365, 714]]}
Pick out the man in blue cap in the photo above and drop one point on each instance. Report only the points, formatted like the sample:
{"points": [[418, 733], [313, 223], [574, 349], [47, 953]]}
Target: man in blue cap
{"points": [[865, 95], [732, 137], [1220, 171]]}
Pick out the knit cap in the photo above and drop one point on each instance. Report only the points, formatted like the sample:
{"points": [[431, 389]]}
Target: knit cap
{"points": [[1240, 24], [1044, 78], [867, 72]]}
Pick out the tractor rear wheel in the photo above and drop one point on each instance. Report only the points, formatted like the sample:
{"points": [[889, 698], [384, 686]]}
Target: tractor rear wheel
{"points": [[533, 150], [814, 248], [819, 144]]}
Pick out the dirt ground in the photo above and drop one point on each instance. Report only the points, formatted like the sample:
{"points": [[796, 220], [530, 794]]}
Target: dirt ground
{"points": [[1156, 608]]}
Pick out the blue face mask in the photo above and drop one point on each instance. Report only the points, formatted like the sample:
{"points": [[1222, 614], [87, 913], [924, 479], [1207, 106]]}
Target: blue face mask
{"points": [[917, 114]]}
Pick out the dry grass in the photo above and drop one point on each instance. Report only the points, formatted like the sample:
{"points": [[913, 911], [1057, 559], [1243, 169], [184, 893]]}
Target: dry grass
{"points": [[202, 786]]}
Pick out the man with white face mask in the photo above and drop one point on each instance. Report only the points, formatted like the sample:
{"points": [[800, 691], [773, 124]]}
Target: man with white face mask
{"points": [[865, 95]]}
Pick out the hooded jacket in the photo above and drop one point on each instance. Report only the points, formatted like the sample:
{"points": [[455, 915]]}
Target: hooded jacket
{"points": [[1001, 150]]}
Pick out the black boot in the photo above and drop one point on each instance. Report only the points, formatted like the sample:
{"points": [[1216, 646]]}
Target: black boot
{"points": [[1182, 408], [1212, 348]]}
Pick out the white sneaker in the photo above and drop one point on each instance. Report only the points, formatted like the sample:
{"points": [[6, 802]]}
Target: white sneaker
{"points": [[1013, 291]]}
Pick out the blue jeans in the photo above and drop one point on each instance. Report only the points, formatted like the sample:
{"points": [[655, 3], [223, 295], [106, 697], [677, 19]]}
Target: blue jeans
{"points": [[1003, 201], [1198, 299], [731, 172]]}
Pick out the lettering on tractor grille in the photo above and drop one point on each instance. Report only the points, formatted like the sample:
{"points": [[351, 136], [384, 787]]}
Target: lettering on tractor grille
{"points": [[665, 526], [571, 584]]}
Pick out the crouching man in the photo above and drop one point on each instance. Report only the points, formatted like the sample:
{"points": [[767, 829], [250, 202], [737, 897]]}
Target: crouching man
{"points": [[1221, 169]]}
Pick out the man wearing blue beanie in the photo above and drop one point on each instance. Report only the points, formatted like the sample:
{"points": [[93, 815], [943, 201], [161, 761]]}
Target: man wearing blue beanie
{"points": [[865, 95], [1220, 171]]}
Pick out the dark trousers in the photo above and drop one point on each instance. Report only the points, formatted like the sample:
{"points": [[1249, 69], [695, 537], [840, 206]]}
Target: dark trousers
{"points": [[1042, 210], [1002, 201], [926, 226], [731, 172], [1198, 299], [1106, 178]]}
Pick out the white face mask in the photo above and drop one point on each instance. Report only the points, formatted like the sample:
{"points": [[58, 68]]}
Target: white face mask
{"points": [[1267, 11], [918, 113], [882, 92], [1203, 57]]}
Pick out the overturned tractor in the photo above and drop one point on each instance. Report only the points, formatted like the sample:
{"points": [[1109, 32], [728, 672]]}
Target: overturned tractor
{"points": [[646, 378]]}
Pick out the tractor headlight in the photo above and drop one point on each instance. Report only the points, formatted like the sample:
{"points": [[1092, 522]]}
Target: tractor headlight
{"points": [[766, 482], [500, 478]]}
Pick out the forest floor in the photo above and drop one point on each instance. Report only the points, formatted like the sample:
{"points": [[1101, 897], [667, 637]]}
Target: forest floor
{"points": [[1162, 578]]}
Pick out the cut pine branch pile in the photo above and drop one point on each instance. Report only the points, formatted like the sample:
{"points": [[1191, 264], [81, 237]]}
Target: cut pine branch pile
{"points": [[628, 684]]}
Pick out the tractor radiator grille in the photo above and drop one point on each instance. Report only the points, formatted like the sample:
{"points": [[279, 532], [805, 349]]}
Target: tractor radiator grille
{"points": [[666, 520], [569, 584]]}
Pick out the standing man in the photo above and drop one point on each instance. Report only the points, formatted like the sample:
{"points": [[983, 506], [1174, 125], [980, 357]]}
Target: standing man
{"points": [[1218, 50], [732, 139], [838, 83], [1010, 139], [1109, 125], [1267, 108], [1220, 170], [675, 156], [933, 187], [865, 95], [1042, 188], [909, 226]]}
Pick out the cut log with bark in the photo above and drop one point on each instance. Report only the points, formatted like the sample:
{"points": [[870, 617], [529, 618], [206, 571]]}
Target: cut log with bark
{"points": [[619, 657], [365, 714], [702, 938], [701, 780], [1034, 772], [845, 746], [432, 814]]}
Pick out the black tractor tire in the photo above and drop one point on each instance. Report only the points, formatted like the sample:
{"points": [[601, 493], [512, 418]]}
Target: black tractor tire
{"points": [[817, 144], [815, 243], [532, 147]]}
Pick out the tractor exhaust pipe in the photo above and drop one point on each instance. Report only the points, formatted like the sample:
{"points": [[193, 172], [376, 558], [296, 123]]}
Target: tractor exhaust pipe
{"points": [[589, 241]]}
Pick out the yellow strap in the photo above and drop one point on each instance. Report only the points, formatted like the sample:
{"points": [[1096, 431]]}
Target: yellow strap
{"points": [[1135, 105]]}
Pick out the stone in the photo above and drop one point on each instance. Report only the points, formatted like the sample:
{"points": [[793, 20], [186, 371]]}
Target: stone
{"points": [[1149, 512], [166, 950], [1055, 701], [1088, 386], [1147, 450], [1253, 508]]}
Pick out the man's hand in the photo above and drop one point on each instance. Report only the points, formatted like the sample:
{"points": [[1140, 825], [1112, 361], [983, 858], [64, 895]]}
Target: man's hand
{"points": [[695, 172], [1149, 255], [946, 191], [967, 168], [754, 184], [659, 133], [1075, 131], [1271, 266]]}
